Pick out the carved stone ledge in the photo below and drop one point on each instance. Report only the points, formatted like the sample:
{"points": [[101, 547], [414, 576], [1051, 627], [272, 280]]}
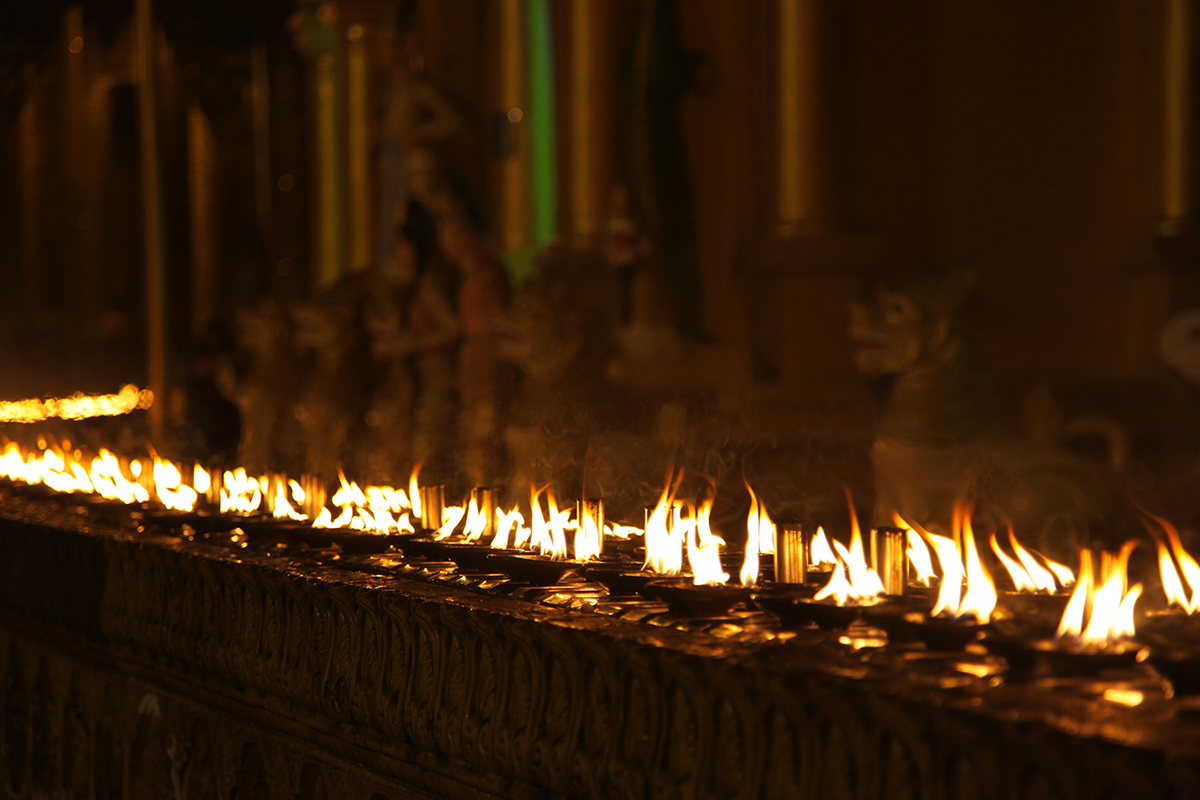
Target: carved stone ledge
{"points": [[271, 672]]}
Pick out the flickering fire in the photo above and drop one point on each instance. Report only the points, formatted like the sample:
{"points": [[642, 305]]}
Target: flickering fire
{"points": [[588, 532], [476, 521], [239, 492], [507, 524], [857, 582], [979, 601], [77, 406], [169, 487], [918, 551], [1172, 584], [760, 531], [704, 549], [451, 516], [821, 554], [1110, 618], [664, 532]]}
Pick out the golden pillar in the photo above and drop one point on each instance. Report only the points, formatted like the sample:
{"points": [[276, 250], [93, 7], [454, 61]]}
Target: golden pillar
{"points": [[260, 105], [358, 109], [330, 230], [589, 113], [1176, 80], [156, 329], [202, 198], [512, 204], [799, 191], [29, 143]]}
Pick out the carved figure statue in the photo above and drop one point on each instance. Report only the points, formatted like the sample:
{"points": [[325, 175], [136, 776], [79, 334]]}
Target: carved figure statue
{"points": [[431, 338], [330, 403], [266, 384], [483, 296], [940, 439]]}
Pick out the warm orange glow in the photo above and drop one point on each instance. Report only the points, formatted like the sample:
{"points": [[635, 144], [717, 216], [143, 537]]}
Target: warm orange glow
{"points": [[558, 522], [1041, 577], [1172, 585], [1020, 576], [451, 516], [77, 406], [858, 582], [704, 549], [169, 487], [587, 534], [664, 534], [240, 493], [414, 492], [821, 554], [476, 521], [760, 538], [950, 588], [979, 600], [918, 551], [1110, 618], [507, 522]]}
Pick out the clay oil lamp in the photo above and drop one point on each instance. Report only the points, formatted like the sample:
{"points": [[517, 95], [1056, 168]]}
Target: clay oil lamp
{"points": [[1173, 634], [705, 593], [853, 585], [1095, 633], [957, 617]]}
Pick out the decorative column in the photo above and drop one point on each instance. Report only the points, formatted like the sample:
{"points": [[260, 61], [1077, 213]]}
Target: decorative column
{"points": [[799, 201], [1176, 89], [156, 327], [358, 148], [202, 196], [318, 36], [513, 232], [588, 159]]}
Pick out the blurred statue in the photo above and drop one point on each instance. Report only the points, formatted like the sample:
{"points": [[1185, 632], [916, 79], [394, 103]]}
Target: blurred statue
{"points": [[940, 440], [431, 340], [417, 119], [483, 296], [624, 249], [331, 401], [386, 444], [560, 335], [266, 384]]}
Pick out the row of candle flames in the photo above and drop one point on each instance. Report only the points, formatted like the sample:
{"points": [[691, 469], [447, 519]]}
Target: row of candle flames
{"points": [[1100, 609]]}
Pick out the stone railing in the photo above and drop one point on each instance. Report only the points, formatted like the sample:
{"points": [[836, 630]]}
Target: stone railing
{"points": [[149, 666]]}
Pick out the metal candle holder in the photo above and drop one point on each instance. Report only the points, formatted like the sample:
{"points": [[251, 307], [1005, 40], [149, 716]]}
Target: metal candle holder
{"points": [[792, 548], [595, 510], [485, 501], [890, 559], [433, 499]]}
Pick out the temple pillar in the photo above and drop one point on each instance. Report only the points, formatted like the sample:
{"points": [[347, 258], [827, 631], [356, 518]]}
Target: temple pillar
{"points": [[1176, 110], [513, 231], [153, 241], [798, 194], [202, 198], [359, 148], [588, 156]]}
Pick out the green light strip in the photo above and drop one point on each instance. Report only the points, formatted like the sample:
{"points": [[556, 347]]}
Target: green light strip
{"points": [[543, 150]]}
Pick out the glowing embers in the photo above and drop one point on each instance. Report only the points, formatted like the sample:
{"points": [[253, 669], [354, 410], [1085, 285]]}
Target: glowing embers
{"points": [[853, 582], [1098, 616], [77, 406]]}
